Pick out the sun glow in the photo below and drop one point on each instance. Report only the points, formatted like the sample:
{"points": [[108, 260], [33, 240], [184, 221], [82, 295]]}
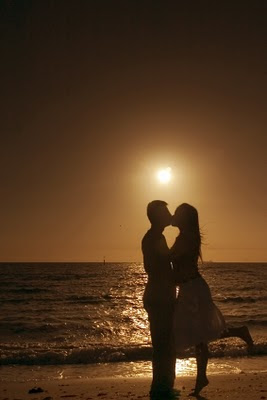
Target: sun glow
{"points": [[164, 175]]}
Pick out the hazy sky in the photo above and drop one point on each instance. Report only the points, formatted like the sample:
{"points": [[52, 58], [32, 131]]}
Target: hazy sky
{"points": [[96, 96]]}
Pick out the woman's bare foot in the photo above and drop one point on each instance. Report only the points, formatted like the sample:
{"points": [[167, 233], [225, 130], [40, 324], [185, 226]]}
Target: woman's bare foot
{"points": [[200, 384], [246, 336]]}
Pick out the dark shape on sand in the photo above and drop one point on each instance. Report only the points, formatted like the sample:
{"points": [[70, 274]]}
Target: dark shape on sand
{"points": [[36, 390]]}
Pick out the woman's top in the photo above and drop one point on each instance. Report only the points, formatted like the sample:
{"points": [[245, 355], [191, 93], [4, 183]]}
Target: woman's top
{"points": [[184, 256]]}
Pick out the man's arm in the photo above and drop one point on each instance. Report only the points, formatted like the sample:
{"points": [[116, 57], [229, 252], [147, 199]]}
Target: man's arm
{"points": [[149, 255]]}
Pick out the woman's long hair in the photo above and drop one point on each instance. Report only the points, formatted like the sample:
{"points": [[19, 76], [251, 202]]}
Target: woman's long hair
{"points": [[188, 217]]}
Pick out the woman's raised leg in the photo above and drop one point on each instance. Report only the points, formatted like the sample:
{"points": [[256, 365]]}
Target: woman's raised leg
{"points": [[241, 332]]}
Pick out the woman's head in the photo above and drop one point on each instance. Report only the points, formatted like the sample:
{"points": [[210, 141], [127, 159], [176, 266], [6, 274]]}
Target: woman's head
{"points": [[186, 218]]}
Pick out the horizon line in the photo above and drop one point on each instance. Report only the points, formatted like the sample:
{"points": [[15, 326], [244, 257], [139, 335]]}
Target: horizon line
{"points": [[114, 262]]}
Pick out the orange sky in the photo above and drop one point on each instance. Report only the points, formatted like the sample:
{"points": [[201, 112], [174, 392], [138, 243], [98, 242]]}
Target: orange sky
{"points": [[96, 101]]}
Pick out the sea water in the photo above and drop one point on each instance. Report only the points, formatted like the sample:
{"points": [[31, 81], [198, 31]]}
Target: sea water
{"points": [[87, 319]]}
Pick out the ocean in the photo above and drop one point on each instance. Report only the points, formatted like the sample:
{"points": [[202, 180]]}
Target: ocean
{"points": [[87, 319]]}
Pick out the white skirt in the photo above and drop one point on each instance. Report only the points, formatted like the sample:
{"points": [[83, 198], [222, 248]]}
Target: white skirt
{"points": [[196, 317]]}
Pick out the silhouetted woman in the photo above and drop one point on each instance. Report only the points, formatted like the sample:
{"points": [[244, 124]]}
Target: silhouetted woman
{"points": [[197, 320]]}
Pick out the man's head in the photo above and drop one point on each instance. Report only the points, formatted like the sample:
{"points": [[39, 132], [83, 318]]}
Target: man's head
{"points": [[158, 213]]}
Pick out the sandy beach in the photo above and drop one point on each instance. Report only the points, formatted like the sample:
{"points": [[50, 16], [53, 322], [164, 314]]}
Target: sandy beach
{"points": [[234, 386]]}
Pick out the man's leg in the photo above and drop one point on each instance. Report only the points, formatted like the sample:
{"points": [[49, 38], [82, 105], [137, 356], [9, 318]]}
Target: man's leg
{"points": [[171, 353], [154, 321], [164, 359]]}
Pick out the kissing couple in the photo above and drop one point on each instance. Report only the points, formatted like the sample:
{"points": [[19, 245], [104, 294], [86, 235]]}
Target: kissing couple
{"points": [[190, 319]]}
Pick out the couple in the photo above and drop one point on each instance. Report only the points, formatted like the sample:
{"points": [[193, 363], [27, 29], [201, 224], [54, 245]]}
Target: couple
{"points": [[191, 319]]}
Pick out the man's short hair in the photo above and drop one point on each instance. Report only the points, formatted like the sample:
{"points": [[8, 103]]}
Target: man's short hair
{"points": [[153, 208]]}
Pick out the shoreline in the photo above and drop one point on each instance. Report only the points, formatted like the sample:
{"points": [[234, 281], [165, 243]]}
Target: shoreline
{"points": [[124, 370], [245, 386]]}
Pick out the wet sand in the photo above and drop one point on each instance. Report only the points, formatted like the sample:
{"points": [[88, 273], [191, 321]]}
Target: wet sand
{"points": [[233, 386]]}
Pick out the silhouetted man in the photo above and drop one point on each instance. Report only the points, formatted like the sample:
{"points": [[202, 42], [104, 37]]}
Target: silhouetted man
{"points": [[159, 298]]}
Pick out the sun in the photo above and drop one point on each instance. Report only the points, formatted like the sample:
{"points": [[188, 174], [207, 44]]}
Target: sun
{"points": [[164, 175]]}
